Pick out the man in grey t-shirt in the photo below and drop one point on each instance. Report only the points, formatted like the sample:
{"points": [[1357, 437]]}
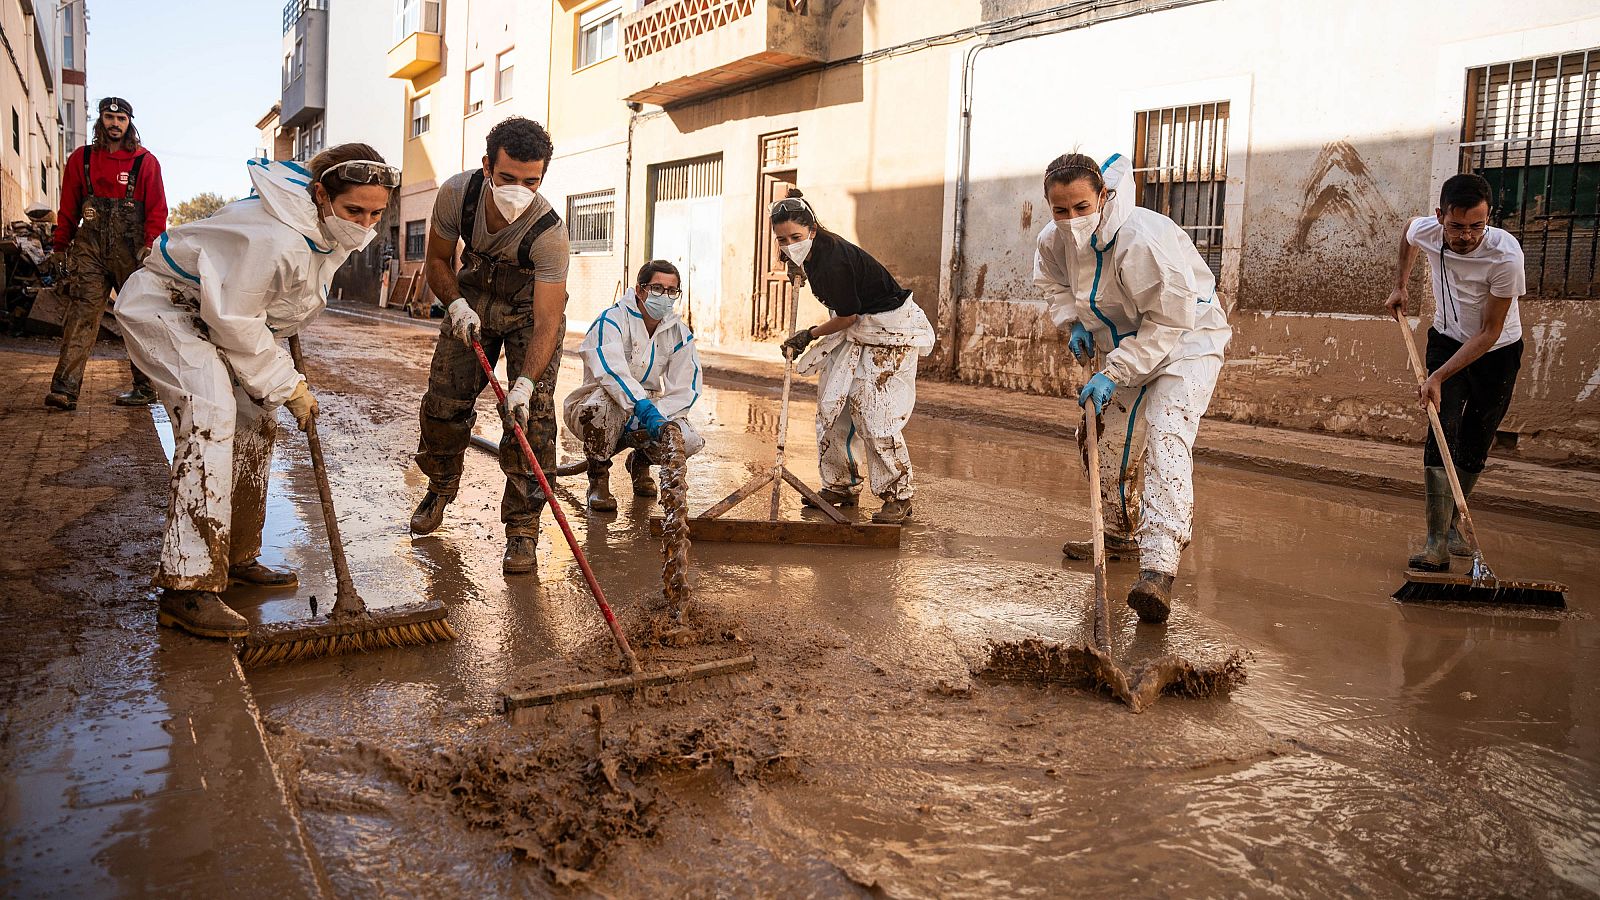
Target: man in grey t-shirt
{"points": [[510, 294]]}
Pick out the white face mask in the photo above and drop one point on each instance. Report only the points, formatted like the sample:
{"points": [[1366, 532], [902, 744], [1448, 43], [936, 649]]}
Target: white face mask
{"points": [[657, 307], [1082, 228], [512, 200], [799, 250], [349, 235]]}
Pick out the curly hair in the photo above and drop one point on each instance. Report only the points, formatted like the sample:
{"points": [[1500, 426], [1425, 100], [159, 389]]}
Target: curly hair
{"points": [[524, 140]]}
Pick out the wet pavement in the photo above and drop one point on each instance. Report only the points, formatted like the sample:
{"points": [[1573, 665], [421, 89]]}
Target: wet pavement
{"points": [[1375, 748]]}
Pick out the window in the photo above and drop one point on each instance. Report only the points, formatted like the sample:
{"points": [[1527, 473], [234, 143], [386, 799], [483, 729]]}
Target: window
{"points": [[1180, 164], [597, 33], [419, 115], [502, 76], [67, 40], [412, 16], [475, 89], [1530, 130], [288, 69], [71, 127], [316, 137], [299, 57], [589, 218], [16, 131], [416, 239]]}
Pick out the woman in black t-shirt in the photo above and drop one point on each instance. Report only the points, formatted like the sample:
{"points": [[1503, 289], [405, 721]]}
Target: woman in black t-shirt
{"points": [[865, 355]]}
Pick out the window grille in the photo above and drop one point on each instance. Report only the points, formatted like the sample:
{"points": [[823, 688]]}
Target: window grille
{"points": [[780, 150], [589, 220], [685, 180], [416, 239], [1181, 171], [1530, 130]]}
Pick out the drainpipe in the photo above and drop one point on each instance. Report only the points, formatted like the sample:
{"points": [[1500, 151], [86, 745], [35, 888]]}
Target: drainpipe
{"points": [[634, 107]]}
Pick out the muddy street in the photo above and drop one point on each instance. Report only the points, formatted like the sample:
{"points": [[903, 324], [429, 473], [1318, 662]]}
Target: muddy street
{"points": [[1375, 748]]}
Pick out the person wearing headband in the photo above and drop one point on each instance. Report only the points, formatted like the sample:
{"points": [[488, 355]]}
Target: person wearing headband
{"points": [[1138, 296], [509, 294], [113, 205], [865, 357], [204, 318]]}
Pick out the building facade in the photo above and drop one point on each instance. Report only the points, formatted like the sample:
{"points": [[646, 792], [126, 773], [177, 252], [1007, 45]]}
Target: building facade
{"points": [[30, 108], [76, 108]]}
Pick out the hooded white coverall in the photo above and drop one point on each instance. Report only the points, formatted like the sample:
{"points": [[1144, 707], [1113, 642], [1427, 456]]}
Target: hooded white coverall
{"points": [[1143, 291], [867, 384], [202, 318], [623, 362]]}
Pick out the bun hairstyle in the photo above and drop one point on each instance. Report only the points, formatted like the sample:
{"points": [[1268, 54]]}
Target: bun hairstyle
{"points": [[799, 213], [333, 183], [1070, 167]]}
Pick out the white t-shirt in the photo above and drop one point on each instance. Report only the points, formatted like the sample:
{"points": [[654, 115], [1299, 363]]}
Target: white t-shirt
{"points": [[1462, 285]]}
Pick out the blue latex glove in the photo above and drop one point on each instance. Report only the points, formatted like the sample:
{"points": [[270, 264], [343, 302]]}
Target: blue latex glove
{"points": [[649, 417], [1081, 343], [1098, 390]]}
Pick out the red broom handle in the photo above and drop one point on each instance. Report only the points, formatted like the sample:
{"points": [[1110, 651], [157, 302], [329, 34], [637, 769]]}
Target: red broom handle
{"points": [[561, 517]]}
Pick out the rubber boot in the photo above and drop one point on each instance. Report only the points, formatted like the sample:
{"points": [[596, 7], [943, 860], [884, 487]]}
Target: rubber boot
{"points": [[639, 468], [1117, 547], [58, 400], [138, 395], [1435, 556], [837, 498], [200, 613], [600, 499], [429, 513], [1151, 597], [253, 572], [521, 555], [1457, 544], [893, 512]]}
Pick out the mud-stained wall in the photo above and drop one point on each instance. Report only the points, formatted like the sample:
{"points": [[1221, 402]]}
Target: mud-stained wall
{"points": [[1325, 168]]}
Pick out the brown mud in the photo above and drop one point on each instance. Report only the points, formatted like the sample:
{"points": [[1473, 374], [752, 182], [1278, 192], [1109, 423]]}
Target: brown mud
{"points": [[1377, 749]]}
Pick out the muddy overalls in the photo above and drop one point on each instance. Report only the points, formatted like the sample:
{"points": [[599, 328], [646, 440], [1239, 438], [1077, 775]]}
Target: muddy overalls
{"points": [[103, 253], [501, 293]]}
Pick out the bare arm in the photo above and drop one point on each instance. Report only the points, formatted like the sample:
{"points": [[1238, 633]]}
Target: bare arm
{"points": [[440, 267], [1398, 295], [549, 312], [835, 324], [1494, 320]]}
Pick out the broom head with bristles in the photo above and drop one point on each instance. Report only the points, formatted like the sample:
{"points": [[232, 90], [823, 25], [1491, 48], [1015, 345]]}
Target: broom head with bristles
{"points": [[346, 632], [1443, 587]]}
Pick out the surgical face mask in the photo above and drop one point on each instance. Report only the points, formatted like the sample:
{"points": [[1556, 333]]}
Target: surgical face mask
{"points": [[1082, 228], [799, 250], [657, 307], [512, 200], [352, 236]]}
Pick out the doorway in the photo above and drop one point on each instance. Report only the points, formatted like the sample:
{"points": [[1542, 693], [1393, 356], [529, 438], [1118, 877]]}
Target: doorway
{"points": [[773, 308]]}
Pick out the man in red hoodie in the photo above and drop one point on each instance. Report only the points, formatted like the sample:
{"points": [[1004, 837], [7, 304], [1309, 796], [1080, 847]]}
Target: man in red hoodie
{"points": [[112, 206]]}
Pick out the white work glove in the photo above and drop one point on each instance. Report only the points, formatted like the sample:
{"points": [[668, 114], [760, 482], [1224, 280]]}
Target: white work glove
{"points": [[461, 321], [518, 400]]}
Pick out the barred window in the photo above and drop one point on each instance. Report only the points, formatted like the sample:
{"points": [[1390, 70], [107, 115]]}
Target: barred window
{"points": [[589, 218], [416, 239], [1180, 160], [1530, 130]]}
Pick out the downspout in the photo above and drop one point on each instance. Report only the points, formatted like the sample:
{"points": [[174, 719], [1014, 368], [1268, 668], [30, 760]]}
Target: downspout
{"points": [[627, 191]]}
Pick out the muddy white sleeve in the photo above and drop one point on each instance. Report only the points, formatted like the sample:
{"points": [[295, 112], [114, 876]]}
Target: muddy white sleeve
{"points": [[680, 386], [233, 304], [605, 356], [1161, 291]]}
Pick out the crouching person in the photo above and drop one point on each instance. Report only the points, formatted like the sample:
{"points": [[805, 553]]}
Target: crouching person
{"points": [[640, 371]]}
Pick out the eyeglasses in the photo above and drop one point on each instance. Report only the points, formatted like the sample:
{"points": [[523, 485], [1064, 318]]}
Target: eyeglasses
{"points": [[656, 290], [365, 171], [1479, 228]]}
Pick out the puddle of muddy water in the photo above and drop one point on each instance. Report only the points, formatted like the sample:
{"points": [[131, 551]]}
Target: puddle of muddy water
{"points": [[1375, 748]]}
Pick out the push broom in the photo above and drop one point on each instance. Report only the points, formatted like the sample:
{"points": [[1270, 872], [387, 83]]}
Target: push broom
{"points": [[350, 627], [1480, 585], [637, 678]]}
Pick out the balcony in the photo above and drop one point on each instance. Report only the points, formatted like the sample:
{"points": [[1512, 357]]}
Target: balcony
{"points": [[305, 61], [677, 50], [415, 54]]}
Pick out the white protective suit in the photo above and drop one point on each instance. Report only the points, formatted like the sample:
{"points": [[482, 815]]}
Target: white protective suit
{"points": [[1143, 291], [623, 362], [203, 319], [867, 385]]}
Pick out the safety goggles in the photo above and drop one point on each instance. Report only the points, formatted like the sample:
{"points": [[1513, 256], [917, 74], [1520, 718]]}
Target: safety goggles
{"points": [[656, 290], [789, 205], [365, 171]]}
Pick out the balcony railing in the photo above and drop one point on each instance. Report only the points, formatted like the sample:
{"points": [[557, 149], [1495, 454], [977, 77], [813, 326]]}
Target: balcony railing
{"points": [[678, 49], [294, 9]]}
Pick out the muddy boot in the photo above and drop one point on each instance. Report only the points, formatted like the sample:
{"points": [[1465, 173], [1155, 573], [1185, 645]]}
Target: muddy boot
{"points": [[58, 400], [253, 572], [639, 468], [893, 512], [521, 555], [200, 613], [1117, 547], [600, 499], [429, 514], [1457, 544], [1151, 597], [837, 498], [1435, 556], [138, 395]]}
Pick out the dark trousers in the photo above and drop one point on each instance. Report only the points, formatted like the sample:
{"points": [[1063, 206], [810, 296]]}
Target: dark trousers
{"points": [[1471, 402]]}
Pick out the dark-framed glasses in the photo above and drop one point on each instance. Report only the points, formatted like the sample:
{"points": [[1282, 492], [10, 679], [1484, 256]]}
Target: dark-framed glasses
{"points": [[657, 290]]}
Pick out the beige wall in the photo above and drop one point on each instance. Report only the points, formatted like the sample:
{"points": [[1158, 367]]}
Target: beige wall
{"points": [[28, 87]]}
